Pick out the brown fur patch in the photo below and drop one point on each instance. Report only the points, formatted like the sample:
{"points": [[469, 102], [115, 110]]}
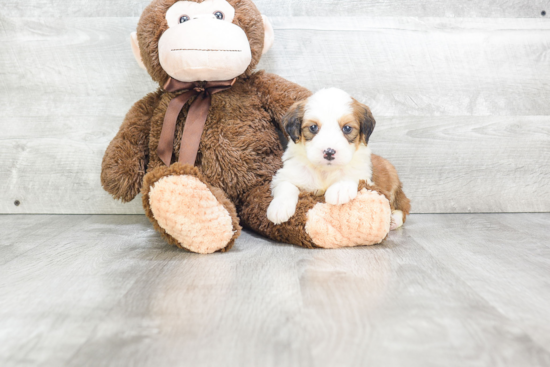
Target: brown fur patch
{"points": [[355, 124], [384, 176], [126, 158], [307, 135]]}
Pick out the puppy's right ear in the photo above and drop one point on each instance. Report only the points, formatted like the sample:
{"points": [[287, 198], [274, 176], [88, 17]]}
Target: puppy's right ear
{"points": [[366, 120], [292, 121]]}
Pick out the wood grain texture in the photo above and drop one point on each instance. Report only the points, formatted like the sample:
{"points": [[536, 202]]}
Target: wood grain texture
{"points": [[504, 258], [384, 8], [420, 66], [469, 163], [32, 232], [460, 104], [434, 156], [58, 118], [453, 290]]}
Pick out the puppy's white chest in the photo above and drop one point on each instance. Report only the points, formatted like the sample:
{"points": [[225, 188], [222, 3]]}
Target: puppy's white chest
{"points": [[323, 180], [318, 180]]}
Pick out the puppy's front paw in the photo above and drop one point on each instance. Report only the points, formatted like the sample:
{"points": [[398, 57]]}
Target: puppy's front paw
{"points": [[341, 193], [280, 210]]}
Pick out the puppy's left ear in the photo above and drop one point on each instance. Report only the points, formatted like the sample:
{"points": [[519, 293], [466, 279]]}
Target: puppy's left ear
{"points": [[292, 121], [366, 120]]}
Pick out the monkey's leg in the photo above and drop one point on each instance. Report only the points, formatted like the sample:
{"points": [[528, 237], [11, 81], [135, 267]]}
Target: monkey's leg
{"points": [[363, 221], [187, 211]]}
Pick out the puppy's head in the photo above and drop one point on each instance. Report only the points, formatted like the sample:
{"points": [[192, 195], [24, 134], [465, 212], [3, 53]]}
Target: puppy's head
{"points": [[330, 125]]}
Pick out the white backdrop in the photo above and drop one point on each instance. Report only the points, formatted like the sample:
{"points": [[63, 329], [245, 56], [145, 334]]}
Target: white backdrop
{"points": [[460, 90]]}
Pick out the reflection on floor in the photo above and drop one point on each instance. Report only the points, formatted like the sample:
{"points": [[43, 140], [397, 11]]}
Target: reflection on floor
{"points": [[446, 290]]}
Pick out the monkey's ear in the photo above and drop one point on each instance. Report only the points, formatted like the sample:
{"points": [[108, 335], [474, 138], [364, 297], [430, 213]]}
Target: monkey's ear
{"points": [[269, 34], [135, 50], [292, 121], [366, 120]]}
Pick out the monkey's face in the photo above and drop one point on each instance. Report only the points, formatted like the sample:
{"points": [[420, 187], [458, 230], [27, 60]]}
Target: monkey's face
{"points": [[202, 43], [206, 40]]}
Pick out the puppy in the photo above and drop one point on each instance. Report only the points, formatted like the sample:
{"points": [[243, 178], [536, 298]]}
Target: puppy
{"points": [[328, 155]]}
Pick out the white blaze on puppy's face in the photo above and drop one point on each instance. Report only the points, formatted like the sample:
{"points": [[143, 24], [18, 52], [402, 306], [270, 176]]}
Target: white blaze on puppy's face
{"points": [[202, 43], [329, 134], [329, 146]]}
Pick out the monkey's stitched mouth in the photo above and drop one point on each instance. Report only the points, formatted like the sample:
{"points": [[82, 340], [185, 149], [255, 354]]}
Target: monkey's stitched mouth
{"points": [[203, 49]]}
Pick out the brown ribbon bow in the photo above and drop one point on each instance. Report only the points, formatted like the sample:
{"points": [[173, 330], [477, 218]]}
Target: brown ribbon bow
{"points": [[196, 117]]}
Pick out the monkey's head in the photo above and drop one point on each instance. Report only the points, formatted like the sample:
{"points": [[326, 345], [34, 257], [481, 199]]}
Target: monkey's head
{"points": [[201, 40]]}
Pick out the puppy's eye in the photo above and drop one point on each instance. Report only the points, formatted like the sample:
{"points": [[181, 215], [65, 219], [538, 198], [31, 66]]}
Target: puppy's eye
{"points": [[347, 129], [219, 15], [314, 129], [184, 18]]}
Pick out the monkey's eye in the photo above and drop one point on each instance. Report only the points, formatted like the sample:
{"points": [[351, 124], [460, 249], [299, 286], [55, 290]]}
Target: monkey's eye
{"points": [[184, 18], [219, 15], [347, 129], [314, 129]]}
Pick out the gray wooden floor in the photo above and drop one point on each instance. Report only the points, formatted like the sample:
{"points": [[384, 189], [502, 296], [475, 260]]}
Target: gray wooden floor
{"points": [[452, 290]]}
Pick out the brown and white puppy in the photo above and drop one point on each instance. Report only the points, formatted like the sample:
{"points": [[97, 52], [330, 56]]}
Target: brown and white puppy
{"points": [[328, 154]]}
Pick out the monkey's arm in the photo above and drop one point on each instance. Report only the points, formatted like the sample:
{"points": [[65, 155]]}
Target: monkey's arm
{"points": [[125, 160], [277, 94]]}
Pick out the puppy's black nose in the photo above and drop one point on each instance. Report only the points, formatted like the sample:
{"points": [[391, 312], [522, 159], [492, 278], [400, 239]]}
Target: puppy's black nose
{"points": [[329, 154]]}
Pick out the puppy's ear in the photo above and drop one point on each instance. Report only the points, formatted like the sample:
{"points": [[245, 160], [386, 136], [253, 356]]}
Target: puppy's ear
{"points": [[292, 121], [366, 120]]}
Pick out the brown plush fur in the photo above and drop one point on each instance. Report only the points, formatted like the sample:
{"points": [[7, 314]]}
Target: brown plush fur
{"points": [[254, 215], [239, 151], [125, 160]]}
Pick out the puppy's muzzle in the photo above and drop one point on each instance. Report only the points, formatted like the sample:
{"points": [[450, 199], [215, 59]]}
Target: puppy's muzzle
{"points": [[329, 154]]}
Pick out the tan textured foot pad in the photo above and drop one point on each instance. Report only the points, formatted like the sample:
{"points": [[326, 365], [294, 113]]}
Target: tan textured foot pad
{"points": [[188, 211], [363, 221]]}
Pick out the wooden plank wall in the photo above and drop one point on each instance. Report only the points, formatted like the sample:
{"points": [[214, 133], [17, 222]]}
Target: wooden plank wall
{"points": [[460, 91]]}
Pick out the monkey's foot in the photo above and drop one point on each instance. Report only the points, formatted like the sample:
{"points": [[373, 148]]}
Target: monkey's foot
{"points": [[192, 215], [363, 221]]}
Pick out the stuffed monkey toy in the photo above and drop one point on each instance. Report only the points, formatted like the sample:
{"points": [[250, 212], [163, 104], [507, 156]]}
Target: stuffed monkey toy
{"points": [[204, 147]]}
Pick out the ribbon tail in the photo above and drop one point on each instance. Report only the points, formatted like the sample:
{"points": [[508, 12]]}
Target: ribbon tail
{"points": [[166, 141], [194, 126]]}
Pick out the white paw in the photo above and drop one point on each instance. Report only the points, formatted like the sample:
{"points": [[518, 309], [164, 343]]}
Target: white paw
{"points": [[341, 193], [396, 219], [281, 209]]}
